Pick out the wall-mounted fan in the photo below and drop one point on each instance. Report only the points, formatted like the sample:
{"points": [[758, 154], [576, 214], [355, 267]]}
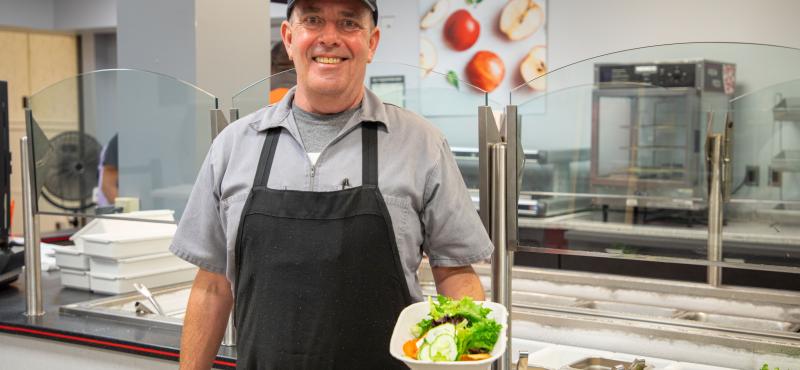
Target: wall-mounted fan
{"points": [[66, 168], [72, 173]]}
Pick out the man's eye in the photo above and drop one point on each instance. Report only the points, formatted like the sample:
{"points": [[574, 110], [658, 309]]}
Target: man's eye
{"points": [[350, 25], [314, 21]]}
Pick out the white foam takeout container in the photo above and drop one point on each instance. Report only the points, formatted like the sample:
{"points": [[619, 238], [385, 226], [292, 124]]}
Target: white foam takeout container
{"points": [[120, 246], [103, 283], [112, 226], [78, 279], [136, 265], [71, 258], [412, 314]]}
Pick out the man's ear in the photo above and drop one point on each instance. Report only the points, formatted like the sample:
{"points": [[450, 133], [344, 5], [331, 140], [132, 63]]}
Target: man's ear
{"points": [[286, 36], [374, 39]]}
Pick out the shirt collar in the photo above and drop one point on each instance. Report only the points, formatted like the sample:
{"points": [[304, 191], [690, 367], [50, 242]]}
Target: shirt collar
{"points": [[372, 110]]}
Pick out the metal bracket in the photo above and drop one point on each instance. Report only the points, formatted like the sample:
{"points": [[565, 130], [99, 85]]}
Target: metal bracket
{"points": [[488, 134], [218, 122], [514, 163]]}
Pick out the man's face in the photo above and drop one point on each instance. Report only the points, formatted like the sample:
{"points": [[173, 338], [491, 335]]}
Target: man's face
{"points": [[330, 43]]}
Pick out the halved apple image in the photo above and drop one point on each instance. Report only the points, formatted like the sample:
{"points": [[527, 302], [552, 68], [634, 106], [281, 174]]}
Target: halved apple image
{"points": [[534, 66], [521, 18], [427, 56], [435, 15]]}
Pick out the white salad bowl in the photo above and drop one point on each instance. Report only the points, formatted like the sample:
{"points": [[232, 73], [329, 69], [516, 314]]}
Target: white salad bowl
{"points": [[412, 314]]}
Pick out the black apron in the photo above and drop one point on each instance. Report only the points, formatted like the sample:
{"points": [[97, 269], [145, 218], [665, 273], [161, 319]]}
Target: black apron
{"points": [[319, 284]]}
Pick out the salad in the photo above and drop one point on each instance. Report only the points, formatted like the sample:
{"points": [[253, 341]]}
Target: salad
{"points": [[453, 331]]}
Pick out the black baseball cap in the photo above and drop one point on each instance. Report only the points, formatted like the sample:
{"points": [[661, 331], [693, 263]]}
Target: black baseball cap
{"points": [[371, 4]]}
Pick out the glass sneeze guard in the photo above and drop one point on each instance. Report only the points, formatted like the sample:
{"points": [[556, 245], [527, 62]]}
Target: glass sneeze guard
{"points": [[631, 131], [158, 124]]}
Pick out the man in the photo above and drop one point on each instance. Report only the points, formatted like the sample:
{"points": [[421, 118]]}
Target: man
{"points": [[108, 183], [314, 213]]}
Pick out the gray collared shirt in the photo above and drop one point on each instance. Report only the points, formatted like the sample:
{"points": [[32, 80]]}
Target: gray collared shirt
{"points": [[428, 202]]}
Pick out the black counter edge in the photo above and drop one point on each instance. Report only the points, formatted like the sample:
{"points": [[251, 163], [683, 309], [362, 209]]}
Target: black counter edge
{"points": [[106, 343]]}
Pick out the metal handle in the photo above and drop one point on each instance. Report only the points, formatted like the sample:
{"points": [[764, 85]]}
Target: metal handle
{"points": [[142, 289], [501, 258], [33, 256], [714, 144]]}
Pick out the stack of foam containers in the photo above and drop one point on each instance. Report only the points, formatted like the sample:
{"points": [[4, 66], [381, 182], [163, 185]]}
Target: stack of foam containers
{"points": [[111, 255]]}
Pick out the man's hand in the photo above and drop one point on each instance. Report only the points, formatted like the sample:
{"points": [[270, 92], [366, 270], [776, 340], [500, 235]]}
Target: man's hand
{"points": [[206, 317], [457, 282]]}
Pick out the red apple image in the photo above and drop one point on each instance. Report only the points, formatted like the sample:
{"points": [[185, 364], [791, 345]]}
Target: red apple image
{"points": [[461, 30], [486, 70]]}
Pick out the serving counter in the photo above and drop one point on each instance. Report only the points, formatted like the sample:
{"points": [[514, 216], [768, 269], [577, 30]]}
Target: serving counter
{"points": [[66, 341], [557, 316]]}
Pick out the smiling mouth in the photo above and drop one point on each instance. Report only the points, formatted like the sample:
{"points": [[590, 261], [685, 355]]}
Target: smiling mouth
{"points": [[329, 60]]}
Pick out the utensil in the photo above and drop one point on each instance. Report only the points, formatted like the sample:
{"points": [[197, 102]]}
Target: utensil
{"points": [[146, 293], [141, 309]]}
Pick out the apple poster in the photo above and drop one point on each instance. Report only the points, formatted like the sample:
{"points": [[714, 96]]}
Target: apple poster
{"points": [[496, 46]]}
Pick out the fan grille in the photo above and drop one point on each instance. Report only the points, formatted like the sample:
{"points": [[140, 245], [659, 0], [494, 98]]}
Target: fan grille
{"points": [[73, 166]]}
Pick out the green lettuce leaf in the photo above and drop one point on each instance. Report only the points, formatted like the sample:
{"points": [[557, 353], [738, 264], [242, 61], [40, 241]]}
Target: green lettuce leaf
{"points": [[480, 336], [465, 308]]}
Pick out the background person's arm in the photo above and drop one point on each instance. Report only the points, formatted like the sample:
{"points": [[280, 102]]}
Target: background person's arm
{"points": [[210, 303], [457, 282], [110, 185]]}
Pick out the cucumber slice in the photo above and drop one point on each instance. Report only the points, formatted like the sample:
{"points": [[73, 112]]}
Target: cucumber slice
{"points": [[432, 334], [443, 348], [424, 353]]}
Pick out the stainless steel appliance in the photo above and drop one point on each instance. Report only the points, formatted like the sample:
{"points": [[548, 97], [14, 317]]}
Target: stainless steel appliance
{"points": [[545, 177], [649, 124]]}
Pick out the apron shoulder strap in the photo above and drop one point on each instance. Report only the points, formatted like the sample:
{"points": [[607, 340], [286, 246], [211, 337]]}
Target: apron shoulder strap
{"points": [[369, 153], [267, 154]]}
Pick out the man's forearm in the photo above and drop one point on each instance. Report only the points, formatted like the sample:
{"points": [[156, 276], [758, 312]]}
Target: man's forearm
{"points": [[210, 303], [457, 282]]}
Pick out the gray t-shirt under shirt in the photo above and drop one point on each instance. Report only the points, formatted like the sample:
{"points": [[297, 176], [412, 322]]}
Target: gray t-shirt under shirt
{"points": [[318, 130]]}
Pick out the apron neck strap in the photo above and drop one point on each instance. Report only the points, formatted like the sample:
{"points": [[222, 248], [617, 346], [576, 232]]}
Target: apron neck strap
{"points": [[267, 154], [369, 153]]}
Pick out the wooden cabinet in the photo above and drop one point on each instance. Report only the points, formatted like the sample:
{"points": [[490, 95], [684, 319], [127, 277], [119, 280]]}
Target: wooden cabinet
{"points": [[31, 61]]}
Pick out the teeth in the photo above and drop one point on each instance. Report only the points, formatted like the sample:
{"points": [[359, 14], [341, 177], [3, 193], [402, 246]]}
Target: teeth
{"points": [[327, 60]]}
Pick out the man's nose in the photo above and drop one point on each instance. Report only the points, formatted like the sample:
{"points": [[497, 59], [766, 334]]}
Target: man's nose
{"points": [[329, 35]]}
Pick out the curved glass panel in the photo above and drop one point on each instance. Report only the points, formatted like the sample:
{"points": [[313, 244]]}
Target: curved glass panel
{"points": [[268, 90], [150, 130], [449, 104], [763, 215], [616, 157]]}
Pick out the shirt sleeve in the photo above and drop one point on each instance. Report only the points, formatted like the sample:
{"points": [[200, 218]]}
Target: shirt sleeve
{"points": [[111, 152], [454, 234], [200, 238]]}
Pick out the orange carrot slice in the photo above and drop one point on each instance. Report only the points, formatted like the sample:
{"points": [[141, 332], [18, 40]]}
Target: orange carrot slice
{"points": [[410, 348]]}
